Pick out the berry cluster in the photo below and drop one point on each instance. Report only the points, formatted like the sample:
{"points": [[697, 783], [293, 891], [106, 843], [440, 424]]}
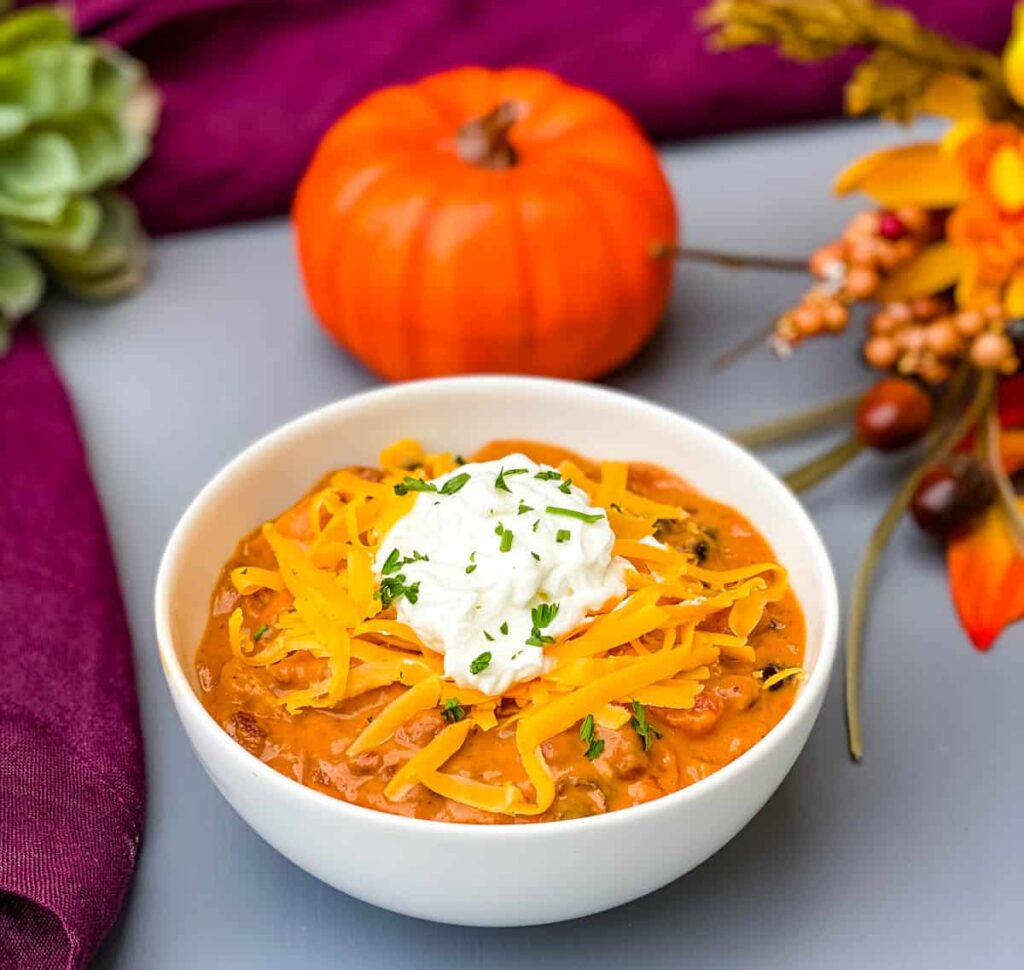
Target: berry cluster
{"points": [[927, 337], [923, 338], [853, 267]]}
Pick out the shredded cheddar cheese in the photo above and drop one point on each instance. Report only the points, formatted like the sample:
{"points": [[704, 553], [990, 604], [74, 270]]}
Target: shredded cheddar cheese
{"points": [[646, 648]]}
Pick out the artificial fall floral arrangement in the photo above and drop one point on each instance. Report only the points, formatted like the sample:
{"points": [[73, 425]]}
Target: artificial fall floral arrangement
{"points": [[939, 260], [75, 119]]}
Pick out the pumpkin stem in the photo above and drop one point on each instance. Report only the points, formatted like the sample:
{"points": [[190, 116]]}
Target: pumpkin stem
{"points": [[484, 141]]}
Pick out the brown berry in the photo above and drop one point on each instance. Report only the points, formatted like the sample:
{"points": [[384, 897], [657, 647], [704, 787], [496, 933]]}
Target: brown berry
{"points": [[893, 414], [926, 307], [991, 350], [807, 319], [881, 352], [914, 218], [862, 282], [826, 257], [942, 338], [951, 493], [836, 316], [900, 312], [969, 322]]}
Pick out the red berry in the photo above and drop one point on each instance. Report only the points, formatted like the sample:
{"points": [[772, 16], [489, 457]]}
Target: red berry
{"points": [[893, 414], [890, 226], [952, 493]]}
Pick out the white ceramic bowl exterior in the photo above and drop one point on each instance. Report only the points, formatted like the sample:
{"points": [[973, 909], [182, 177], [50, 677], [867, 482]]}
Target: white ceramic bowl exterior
{"points": [[498, 875]]}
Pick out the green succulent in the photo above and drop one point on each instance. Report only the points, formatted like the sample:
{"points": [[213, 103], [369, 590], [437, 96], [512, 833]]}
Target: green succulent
{"points": [[76, 118]]}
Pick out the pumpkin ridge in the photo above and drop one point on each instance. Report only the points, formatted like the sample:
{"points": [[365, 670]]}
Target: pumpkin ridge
{"points": [[413, 271], [523, 250]]}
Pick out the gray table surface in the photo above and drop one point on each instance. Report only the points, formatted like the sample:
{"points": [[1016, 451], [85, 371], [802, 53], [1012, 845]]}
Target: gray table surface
{"points": [[911, 859]]}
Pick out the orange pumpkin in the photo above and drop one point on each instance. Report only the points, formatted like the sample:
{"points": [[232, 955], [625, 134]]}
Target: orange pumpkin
{"points": [[485, 220]]}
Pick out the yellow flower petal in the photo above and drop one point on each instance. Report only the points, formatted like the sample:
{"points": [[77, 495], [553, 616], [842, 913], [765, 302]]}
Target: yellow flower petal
{"points": [[953, 96], [937, 268], [1013, 56], [920, 174], [959, 133], [1006, 178], [1013, 300]]}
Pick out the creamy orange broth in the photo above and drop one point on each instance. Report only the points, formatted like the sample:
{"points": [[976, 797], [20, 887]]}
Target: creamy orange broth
{"points": [[731, 713]]}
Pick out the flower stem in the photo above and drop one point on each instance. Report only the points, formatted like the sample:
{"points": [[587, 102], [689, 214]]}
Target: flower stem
{"points": [[816, 418], [941, 442], [828, 463], [720, 257]]}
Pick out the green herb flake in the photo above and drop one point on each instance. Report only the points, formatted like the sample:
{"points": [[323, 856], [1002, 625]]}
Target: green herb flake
{"points": [[393, 587], [574, 514], [548, 476], [393, 563], [459, 460], [452, 710], [488, 637], [506, 540], [524, 508], [410, 484], [536, 525], [481, 663], [647, 731], [535, 556], [595, 749], [471, 568], [565, 486], [259, 632], [594, 745], [563, 535], [454, 483], [504, 628], [542, 615], [500, 484]]}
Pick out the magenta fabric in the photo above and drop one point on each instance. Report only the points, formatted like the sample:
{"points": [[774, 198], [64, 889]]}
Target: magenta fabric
{"points": [[251, 85], [72, 789]]}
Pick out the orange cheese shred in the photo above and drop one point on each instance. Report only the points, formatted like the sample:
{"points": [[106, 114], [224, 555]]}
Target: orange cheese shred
{"points": [[421, 697]]}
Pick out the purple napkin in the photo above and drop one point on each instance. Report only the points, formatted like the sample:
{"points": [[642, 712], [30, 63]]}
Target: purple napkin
{"points": [[72, 790], [251, 85]]}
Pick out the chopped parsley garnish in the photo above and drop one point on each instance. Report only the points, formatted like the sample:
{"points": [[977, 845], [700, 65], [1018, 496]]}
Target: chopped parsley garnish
{"points": [[393, 587], [516, 654], [574, 514], [565, 486], [452, 710], [535, 556], [536, 525], [594, 745], [647, 731], [506, 540], [563, 535], [410, 484], [501, 484], [488, 637], [471, 568], [548, 476], [481, 663], [393, 563], [417, 557], [504, 628], [454, 483], [459, 460], [259, 632], [524, 508], [542, 616]]}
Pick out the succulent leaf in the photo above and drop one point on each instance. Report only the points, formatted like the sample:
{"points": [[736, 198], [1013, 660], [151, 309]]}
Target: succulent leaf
{"points": [[76, 118]]}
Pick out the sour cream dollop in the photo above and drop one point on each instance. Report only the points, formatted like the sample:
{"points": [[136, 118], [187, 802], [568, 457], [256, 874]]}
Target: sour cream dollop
{"points": [[493, 556]]}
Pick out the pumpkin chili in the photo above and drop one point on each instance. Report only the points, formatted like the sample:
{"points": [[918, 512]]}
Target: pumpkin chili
{"points": [[308, 668]]}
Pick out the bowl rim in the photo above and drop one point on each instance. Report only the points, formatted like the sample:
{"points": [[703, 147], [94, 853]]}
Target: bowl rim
{"points": [[188, 705]]}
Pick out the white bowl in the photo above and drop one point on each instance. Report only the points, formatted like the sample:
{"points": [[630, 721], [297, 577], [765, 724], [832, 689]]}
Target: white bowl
{"points": [[488, 875]]}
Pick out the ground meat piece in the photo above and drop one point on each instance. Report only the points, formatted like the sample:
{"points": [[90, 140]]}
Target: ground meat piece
{"points": [[367, 763], [578, 798], [738, 692], [701, 719], [420, 729], [623, 756], [301, 669], [369, 474], [246, 730]]}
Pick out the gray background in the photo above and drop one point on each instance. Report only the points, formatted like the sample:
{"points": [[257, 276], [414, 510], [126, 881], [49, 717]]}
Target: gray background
{"points": [[911, 859]]}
